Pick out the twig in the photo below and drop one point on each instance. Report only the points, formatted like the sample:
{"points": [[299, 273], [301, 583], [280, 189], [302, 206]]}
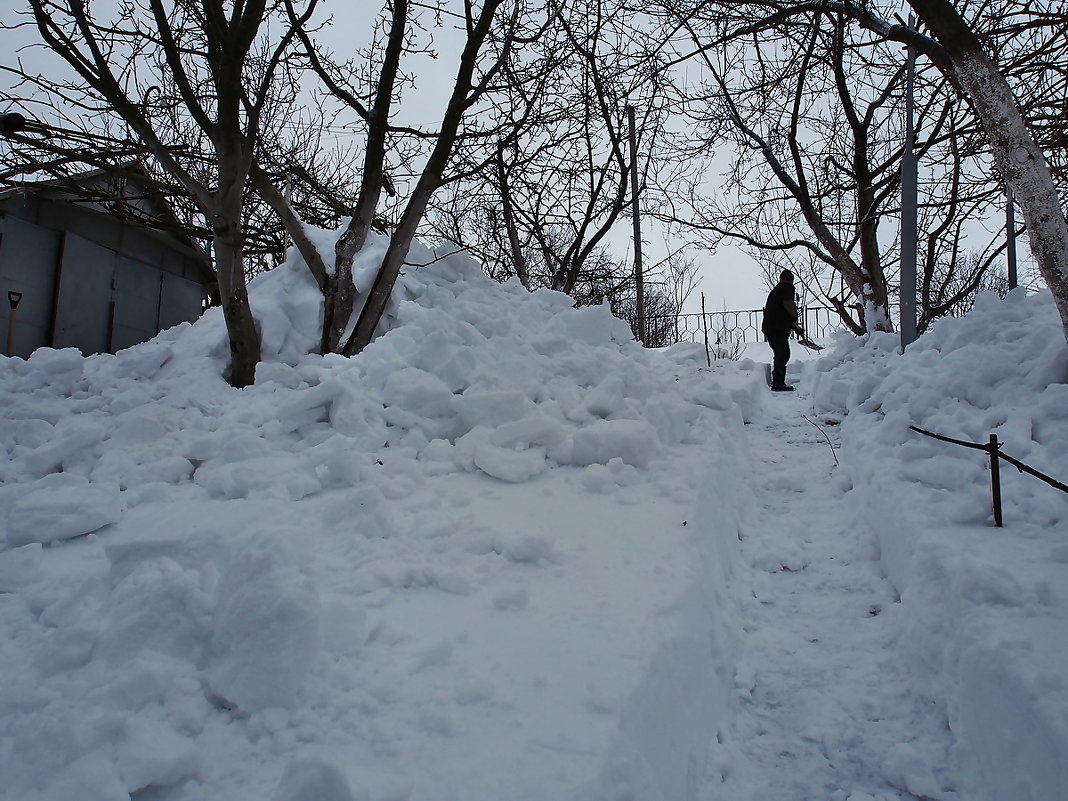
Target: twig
{"points": [[831, 444], [435, 260]]}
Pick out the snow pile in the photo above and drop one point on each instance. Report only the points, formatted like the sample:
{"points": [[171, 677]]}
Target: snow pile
{"points": [[986, 609], [467, 564]]}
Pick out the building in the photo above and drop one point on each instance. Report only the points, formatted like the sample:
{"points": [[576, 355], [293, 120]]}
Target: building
{"points": [[97, 275]]}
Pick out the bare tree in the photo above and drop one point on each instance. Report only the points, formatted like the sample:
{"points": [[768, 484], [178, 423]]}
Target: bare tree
{"points": [[814, 109], [962, 53], [543, 209], [204, 61], [491, 33], [668, 285], [810, 155], [235, 168], [1019, 159], [295, 149]]}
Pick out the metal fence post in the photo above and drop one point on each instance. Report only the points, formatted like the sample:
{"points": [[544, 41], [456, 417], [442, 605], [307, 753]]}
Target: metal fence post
{"points": [[995, 478], [704, 323], [993, 447]]}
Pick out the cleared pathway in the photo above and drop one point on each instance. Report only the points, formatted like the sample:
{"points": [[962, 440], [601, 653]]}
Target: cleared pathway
{"points": [[824, 709]]}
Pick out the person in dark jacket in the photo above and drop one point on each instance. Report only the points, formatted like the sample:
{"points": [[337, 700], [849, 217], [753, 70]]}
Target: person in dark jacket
{"points": [[780, 320]]}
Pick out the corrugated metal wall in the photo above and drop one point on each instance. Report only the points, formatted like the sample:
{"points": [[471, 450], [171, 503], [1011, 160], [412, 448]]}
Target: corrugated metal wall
{"points": [[84, 297], [28, 258], [80, 293]]}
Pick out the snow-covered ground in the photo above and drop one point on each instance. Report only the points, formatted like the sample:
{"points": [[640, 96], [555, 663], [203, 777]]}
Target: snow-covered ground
{"points": [[984, 611], [507, 554]]}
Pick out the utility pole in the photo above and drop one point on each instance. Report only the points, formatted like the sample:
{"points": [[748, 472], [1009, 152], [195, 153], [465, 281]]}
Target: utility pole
{"points": [[908, 208], [1010, 232], [639, 279]]}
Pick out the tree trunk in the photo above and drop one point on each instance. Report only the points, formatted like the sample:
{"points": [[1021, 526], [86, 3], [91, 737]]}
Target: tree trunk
{"points": [[519, 259], [429, 182], [261, 182], [393, 260], [240, 324], [230, 267], [1019, 160], [340, 292]]}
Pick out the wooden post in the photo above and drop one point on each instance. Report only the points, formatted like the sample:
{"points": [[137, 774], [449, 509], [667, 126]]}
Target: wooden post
{"points": [[995, 478]]}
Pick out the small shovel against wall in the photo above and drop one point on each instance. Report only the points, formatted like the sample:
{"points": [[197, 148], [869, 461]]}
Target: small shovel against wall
{"points": [[13, 298]]}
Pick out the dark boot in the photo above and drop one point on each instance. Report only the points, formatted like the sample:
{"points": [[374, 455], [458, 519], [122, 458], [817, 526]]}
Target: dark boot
{"points": [[778, 381]]}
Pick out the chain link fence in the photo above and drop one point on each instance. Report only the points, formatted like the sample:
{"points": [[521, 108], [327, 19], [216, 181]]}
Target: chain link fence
{"points": [[734, 328]]}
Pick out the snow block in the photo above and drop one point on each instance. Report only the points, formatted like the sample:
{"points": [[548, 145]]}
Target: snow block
{"points": [[492, 408], [633, 441], [267, 630], [158, 607], [507, 464], [58, 362], [51, 456], [152, 754], [685, 694], [313, 780], [63, 507], [275, 476]]}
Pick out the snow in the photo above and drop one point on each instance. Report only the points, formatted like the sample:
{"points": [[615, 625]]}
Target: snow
{"points": [[507, 553], [985, 628]]}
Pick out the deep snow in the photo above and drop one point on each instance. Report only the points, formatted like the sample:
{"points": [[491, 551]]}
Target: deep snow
{"points": [[508, 554]]}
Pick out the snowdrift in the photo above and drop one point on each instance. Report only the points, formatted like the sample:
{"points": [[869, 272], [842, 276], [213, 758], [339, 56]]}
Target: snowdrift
{"points": [[495, 556], [985, 609], [467, 564]]}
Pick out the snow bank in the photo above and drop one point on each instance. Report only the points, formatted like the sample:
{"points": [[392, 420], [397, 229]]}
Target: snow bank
{"points": [[466, 564], [986, 609]]}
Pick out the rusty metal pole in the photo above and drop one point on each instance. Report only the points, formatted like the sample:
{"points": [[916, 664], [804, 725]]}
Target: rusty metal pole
{"points": [[995, 478]]}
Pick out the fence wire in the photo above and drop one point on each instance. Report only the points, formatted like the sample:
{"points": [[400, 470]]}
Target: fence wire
{"points": [[734, 327]]}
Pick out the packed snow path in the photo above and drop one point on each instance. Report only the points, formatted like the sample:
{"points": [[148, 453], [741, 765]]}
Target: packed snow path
{"points": [[824, 711]]}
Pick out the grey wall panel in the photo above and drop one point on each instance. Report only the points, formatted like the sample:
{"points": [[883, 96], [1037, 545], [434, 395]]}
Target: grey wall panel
{"points": [[181, 301], [28, 257], [143, 245], [86, 223], [83, 305], [173, 261], [24, 205], [136, 297], [101, 299]]}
